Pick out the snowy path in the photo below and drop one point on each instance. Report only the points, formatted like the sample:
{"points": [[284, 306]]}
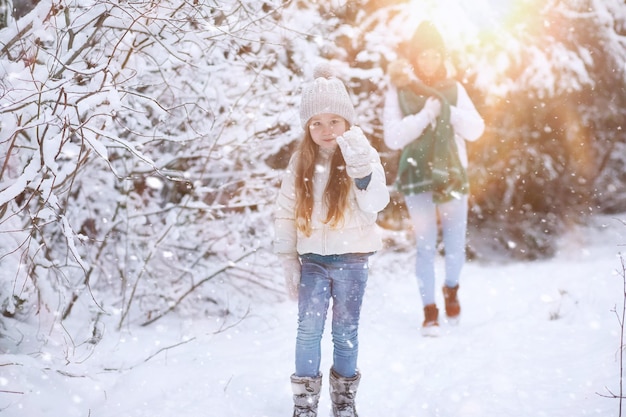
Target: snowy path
{"points": [[536, 339]]}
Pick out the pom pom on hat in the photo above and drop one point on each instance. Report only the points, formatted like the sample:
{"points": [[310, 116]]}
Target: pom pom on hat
{"points": [[324, 70], [326, 94]]}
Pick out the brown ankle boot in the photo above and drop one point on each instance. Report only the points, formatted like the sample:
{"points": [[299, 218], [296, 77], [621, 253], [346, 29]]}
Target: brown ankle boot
{"points": [[453, 308], [430, 327]]}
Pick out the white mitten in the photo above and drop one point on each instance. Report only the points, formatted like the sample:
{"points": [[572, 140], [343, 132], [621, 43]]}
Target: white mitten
{"points": [[400, 73], [356, 150], [432, 108], [292, 270]]}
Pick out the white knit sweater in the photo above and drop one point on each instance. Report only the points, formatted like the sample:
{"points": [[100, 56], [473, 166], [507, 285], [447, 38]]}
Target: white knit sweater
{"points": [[401, 130]]}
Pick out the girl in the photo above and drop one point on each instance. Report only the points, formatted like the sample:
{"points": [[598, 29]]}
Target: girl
{"points": [[325, 226], [430, 117]]}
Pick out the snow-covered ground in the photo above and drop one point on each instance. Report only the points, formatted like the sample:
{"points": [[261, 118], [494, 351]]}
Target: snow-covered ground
{"points": [[536, 339]]}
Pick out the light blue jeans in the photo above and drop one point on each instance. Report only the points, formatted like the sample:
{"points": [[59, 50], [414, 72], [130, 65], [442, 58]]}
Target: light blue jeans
{"points": [[342, 278], [453, 218]]}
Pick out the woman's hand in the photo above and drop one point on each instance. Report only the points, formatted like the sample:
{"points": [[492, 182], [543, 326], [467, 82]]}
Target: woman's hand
{"points": [[432, 108], [400, 72]]}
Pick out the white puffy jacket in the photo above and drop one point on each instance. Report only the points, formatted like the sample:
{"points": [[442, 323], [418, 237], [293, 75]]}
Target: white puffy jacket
{"points": [[359, 232]]}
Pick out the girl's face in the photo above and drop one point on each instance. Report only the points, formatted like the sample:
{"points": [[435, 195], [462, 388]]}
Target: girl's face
{"points": [[324, 129], [429, 61]]}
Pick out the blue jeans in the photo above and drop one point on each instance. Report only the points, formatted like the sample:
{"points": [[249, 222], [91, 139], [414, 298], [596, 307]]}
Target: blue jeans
{"points": [[344, 278], [453, 218]]}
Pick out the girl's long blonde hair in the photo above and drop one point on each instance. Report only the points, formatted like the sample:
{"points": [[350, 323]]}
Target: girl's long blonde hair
{"points": [[335, 193]]}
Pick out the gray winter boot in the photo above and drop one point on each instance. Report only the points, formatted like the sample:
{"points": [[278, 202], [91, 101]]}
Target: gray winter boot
{"points": [[306, 395], [342, 393]]}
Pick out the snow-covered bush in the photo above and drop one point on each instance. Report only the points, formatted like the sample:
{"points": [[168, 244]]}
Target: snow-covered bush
{"points": [[142, 142], [549, 79], [554, 132], [136, 139]]}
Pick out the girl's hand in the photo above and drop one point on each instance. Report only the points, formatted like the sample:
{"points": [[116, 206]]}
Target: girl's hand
{"points": [[292, 269], [356, 150]]}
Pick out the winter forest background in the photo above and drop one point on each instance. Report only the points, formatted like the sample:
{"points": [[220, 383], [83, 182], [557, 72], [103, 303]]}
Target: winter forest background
{"points": [[142, 142]]}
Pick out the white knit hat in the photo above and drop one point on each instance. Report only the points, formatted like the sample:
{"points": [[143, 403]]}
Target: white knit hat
{"points": [[326, 94]]}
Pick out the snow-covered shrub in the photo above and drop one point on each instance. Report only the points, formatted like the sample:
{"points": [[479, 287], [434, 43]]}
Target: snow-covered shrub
{"points": [[134, 145], [142, 143], [550, 83], [547, 159]]}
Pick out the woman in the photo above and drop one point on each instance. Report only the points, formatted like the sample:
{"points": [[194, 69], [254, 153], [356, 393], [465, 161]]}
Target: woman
{"points": [[430, 116], [325, 226]]}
